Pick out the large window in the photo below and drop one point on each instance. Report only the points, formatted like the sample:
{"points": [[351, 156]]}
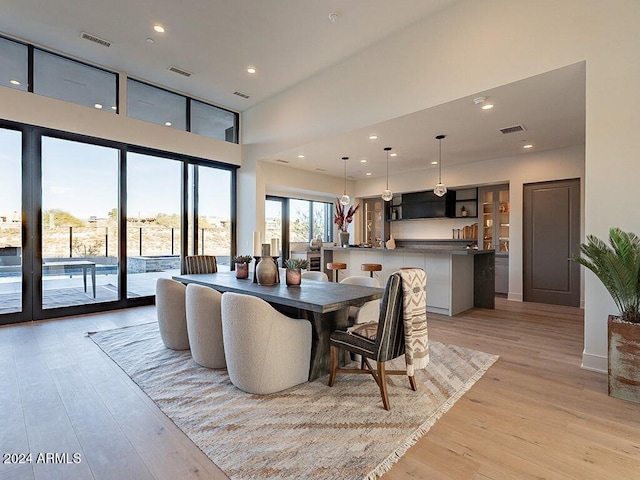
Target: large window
{"points": [[65, 79], [102, 221], [10, 221], [156, 105], [213, 122], [213, 198], [308, 219], [13, 64], [79, 223], [59, 77], [153, 221]]}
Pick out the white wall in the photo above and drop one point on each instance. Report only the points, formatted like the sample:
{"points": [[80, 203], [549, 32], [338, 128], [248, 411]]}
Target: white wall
{"points": [[42, 111], [473, 46]]}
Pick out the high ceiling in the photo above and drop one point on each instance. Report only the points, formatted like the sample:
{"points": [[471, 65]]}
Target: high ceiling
{"points": [[215, 40], [288, 42]]}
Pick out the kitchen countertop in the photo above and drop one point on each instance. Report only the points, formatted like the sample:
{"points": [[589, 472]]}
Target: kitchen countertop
{"points": [[441, 250]]}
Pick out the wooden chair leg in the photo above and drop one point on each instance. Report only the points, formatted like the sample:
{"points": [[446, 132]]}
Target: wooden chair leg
{"points": [[334, 365], [383, 385], [412, 381]]}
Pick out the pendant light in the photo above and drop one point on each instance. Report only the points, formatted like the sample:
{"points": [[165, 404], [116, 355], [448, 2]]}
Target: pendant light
{"points": [[440, 189], [345, 200], [387, 195]]}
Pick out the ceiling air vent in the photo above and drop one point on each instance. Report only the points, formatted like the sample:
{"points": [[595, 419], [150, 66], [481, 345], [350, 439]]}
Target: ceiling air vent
{"points": [[282, 161], [513, 129], [179, 71], [94, 39], [240, 94]]}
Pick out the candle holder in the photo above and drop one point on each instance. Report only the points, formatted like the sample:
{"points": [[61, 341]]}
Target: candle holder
{"points": [[275, 260], [255, 268]]}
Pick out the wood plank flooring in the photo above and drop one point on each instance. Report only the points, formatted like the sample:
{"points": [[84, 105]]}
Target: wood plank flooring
{"points": [[535, 414]]}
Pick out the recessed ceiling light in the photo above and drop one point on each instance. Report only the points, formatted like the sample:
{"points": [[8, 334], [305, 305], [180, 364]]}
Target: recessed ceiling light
{"points": [[488, 106], [158, 28], [369, 174], [13, 81], [528, 145], [364, 160], [373, 137], [168, 124], [149, 40], [434, 163], [300, 156], [98, 106], [393, 154], [251, 70]]}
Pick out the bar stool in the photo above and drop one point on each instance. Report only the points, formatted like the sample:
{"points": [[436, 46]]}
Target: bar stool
{"points": [[371, 267], [336, 266]]}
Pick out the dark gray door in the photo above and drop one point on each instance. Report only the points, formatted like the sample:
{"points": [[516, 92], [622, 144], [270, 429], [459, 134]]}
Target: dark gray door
{"points": [[551, 234]]}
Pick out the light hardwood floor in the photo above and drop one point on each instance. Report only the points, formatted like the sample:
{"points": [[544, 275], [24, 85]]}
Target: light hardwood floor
{"points": [[535, 413]]}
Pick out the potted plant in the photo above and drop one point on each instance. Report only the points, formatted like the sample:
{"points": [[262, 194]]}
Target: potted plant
{"points": [[293, 273], [618, 267], [242, 265]]}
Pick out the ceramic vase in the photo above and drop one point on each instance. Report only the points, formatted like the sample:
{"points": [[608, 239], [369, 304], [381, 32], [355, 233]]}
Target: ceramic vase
{"points": [[391, 243], [267, 271], [316, 244], [294, 277], [344, 238]]}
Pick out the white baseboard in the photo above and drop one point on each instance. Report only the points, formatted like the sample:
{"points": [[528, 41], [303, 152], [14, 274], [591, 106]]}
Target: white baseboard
{"points": [[516, 297], [595, 363]]}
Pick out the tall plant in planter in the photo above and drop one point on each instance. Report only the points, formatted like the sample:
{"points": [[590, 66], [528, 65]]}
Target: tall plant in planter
{"points": [[618, 267]]}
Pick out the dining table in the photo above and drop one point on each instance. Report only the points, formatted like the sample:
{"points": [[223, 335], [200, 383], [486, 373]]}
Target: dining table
{"points": [[324, 304]]}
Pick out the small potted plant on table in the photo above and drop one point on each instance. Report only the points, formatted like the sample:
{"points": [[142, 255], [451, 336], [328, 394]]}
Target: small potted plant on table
{"points": [[618, 268], [242, 265], [293, 273]]}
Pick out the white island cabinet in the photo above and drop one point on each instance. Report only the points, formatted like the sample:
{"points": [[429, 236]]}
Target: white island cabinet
{"points": [[457, 278]]}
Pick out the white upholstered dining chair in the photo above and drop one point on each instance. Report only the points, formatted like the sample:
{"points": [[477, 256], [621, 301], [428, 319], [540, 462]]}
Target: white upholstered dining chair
{"points": [[266, 351]]}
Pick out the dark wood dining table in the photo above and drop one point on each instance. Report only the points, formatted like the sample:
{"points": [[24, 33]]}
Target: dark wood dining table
{"points": [[324, 304]]}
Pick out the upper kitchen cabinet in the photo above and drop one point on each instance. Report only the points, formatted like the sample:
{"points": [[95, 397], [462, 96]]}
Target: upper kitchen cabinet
{"points": [[454, 204]]}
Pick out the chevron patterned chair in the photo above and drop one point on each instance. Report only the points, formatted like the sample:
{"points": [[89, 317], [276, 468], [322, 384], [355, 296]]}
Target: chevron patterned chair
{"points": [[384, 340], [200, 264]]}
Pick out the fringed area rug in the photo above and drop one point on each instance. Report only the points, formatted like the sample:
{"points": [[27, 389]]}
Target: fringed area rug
{"points": [[310, 431]]}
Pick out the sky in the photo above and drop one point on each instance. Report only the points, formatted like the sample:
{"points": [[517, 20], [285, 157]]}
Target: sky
{"points": [[82, 179]]}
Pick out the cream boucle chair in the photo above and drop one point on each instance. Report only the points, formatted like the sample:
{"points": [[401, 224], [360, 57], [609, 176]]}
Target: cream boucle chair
{"points": [[370, 311], [204, 326], [318, 276], [171, 312], [266, 351]]}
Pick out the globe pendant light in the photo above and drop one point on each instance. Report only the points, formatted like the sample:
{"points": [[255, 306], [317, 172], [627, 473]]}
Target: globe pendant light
{"points": [[440, 189], [345, 200], [387, 195]]}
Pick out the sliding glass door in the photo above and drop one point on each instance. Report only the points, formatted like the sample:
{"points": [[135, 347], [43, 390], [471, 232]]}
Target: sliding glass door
{"points": [[88, 225], [154, 199], [210, 206], [10, 222], [79, 223]]}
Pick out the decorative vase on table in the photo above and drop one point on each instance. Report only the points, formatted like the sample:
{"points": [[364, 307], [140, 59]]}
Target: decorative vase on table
{"points": [[294, 277], [344, 238], [267, 271]]}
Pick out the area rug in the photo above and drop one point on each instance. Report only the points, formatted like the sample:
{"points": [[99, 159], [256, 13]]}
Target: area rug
{"points": [[310, 431]]}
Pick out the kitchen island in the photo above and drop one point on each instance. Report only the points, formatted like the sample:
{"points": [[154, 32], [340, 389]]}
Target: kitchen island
{"points": [[458, 278]]}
